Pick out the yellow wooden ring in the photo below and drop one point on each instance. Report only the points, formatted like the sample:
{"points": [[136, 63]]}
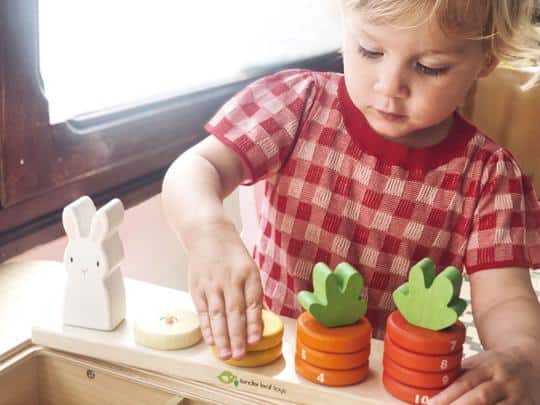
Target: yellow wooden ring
{"points": [[253, 359], [272, 332]]}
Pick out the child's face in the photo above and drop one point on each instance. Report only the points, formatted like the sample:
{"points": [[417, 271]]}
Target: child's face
{"points": [[408, 81]]}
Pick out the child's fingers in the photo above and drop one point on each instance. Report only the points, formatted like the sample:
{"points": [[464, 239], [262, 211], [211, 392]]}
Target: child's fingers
{"points": [[199, 299], [522, 401], [254, 302], [488, 392], [218, 322], [467, 382], [474, 361], [254, 323], [236, 320]]}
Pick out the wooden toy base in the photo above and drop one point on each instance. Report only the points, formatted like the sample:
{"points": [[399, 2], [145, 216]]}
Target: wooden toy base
{"points": [[196, 366]]}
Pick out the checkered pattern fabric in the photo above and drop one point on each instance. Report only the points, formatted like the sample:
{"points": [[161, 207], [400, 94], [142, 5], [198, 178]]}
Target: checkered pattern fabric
{"points": [[336, 191]]}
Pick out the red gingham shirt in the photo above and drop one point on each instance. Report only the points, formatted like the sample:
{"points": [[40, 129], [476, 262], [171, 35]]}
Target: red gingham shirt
{"points": [[336, 191]]}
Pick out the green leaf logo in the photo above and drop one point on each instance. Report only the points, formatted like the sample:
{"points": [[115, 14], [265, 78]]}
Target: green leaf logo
{"points": [[430, 301], [226, 377], [336, 300]]}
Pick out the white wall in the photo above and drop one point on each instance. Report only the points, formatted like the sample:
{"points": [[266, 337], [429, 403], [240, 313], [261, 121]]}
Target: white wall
{"points": [[153, 252]]}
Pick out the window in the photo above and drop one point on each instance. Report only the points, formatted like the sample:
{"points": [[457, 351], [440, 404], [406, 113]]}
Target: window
{"points": [[76, 119], [120, 52]]}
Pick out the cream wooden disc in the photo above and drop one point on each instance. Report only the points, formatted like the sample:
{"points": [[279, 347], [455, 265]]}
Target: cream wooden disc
{"points": [[167, 330]]}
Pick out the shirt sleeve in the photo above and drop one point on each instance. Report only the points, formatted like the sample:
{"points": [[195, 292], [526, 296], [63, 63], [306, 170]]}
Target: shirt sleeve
{"points": [[506, 225], [261, 122]]}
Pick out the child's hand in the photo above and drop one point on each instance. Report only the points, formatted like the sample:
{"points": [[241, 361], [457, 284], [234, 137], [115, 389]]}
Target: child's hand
{"points": [[491, 377], [226, 288]]}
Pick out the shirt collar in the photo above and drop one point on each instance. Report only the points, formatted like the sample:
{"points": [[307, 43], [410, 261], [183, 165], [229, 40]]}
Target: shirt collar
{"points": [[425, 158]]}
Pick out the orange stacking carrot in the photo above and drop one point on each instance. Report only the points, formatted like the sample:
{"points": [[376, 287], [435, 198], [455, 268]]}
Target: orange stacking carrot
{"points": [[407, 393], [333, 337], [421, 362], [344, 339], [424, 337], [424, 341], [419, 378], [334, 378], [331, 361]]}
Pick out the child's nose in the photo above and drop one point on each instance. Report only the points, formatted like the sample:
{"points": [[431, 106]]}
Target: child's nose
{"points": [[391, 83]]}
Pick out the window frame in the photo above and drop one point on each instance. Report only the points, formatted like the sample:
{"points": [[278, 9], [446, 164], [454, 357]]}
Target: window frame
{"points": [[121, 154]]}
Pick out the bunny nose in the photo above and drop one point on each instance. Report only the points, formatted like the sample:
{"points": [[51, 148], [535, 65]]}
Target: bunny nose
{"points": [[84, 271]]}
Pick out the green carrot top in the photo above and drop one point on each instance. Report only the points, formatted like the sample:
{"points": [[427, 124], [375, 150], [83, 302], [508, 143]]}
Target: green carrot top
{"points": [[337, 297], [428, 300]]}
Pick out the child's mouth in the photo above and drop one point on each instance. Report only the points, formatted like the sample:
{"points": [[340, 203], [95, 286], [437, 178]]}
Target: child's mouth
{"points": [[390, 116]]}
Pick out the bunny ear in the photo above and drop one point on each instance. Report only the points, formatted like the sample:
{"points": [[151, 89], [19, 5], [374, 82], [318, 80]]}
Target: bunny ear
{"points": [[77, 216], [106, 220]]}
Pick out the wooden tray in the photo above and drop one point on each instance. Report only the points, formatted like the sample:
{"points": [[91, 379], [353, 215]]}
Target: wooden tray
{"points": [[38, 376]]}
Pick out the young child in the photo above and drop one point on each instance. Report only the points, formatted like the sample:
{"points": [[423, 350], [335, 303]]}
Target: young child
{"points": [[374, 167]]}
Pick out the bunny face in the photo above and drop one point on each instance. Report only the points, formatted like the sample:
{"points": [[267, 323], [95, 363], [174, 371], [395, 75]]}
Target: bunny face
{"points": [[94, 247], [83, 258]]}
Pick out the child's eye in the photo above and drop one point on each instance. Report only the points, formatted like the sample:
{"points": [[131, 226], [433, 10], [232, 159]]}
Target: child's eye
{"points": [[431, 71], [369, 54]]}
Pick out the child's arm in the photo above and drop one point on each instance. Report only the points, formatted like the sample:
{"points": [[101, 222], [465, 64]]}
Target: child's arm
{"points": [[224, 281], [507, 315]]}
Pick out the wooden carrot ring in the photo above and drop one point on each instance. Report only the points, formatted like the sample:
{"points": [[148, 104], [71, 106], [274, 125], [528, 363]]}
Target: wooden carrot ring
{"points": [[334, 378], [421, 362], [424, 341], [344, 339], [412, 395], [419, 379], [331, 361]]}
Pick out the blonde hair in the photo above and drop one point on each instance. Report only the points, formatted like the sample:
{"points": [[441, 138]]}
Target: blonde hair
{"points": [[505, 26]]}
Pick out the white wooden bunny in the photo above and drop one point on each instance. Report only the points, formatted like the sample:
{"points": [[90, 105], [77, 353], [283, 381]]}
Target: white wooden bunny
{"points": [[94, 295]]}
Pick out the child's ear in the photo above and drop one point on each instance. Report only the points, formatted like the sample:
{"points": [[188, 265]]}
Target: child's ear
{"points": [[490, 64]]}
